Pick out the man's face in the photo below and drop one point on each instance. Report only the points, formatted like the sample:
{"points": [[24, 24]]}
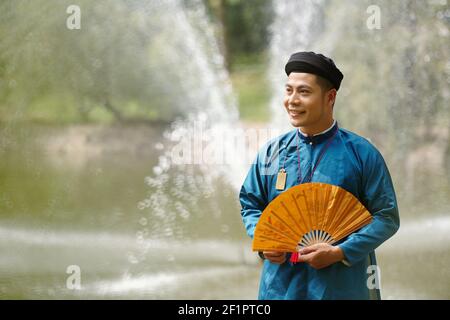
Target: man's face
{"points": [[305, 102]]}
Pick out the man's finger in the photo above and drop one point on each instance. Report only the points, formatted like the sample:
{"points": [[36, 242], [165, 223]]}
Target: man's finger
{"points": [[305, 257], [308, 249]]}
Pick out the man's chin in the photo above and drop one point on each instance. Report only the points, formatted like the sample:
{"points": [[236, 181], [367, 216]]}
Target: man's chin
{"points": [[296, 123]]}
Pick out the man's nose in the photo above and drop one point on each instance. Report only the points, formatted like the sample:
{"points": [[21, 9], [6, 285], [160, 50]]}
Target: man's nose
{"points": [[293, 99]]}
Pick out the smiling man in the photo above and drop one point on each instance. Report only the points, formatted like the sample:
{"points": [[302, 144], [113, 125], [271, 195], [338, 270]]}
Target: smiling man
{"points": [[317, 150]]}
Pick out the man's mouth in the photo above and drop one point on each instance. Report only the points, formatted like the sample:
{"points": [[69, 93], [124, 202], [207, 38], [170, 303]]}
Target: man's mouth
{"points": [[296, 114]]}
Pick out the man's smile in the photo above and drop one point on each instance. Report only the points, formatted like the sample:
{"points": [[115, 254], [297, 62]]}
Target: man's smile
{"points": [[296, 114]]}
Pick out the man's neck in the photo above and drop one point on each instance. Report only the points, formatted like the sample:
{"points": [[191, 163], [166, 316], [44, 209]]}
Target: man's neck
{"points": [[316, 131]]}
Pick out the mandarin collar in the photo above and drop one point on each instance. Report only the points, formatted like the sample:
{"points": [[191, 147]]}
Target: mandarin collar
{"points": [[319, 137]]}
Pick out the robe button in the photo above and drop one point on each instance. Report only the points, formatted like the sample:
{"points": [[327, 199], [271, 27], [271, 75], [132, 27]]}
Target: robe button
{"points": [[310, 143]]}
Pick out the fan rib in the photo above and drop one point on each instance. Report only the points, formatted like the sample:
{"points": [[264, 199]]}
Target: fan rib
{"points": [[314, 213], [303, 230], [308, 211], [337, 199], [348, 221], [352, 227], [285, 223], [323, 235], [289, 245], [272, 228], [341, 221], [309, 238], [272, 234], [292, 217], [325, 201], [329, 238], [304, 243]]}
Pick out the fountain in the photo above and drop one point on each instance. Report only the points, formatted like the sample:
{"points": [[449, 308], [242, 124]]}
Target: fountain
{"points": [[185, 238]]}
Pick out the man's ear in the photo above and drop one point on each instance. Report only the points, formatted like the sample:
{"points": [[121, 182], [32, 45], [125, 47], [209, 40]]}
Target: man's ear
{"points": [[331, 96]]}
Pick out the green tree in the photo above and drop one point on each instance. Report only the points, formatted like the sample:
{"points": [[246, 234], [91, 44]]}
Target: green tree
{"points": [[244, 25], [112, 65]]}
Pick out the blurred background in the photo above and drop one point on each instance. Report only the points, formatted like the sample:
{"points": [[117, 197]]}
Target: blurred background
{"points": [[90, 114]]}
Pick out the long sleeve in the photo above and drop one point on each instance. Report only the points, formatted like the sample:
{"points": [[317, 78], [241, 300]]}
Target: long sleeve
{"points": [[252, 197], [378, 196]]}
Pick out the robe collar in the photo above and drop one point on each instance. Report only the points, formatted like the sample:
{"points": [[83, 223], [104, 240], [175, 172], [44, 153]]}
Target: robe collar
{"points": [[321, 136]]}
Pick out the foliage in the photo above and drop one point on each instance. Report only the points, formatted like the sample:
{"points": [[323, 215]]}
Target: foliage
{"points": [[112, 63]]}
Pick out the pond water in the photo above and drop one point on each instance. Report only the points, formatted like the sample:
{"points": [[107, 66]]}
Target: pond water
{"points": [[62, 205]]}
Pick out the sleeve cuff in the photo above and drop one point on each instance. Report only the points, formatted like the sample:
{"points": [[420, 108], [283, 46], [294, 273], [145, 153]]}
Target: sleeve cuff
{"points": [[345, 262]]}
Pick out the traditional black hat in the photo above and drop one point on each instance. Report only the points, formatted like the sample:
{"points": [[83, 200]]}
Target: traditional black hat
{"points": [[315, 63]]}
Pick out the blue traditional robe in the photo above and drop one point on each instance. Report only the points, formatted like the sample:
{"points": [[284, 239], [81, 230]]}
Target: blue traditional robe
{"points": [[350, 162]]}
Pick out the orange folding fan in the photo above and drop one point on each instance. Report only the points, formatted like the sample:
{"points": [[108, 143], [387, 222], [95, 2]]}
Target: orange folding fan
{"points": [[306, 214]]}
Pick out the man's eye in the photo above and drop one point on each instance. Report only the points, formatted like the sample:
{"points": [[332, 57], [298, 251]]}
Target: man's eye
{"points": [[304, 91]]}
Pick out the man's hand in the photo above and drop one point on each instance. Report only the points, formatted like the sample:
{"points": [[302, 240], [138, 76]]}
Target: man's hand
{"points": [[275, 257], [321, 255]]}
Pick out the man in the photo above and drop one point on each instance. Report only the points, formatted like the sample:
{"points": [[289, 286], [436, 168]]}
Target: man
{"points": [[319, 151]]}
